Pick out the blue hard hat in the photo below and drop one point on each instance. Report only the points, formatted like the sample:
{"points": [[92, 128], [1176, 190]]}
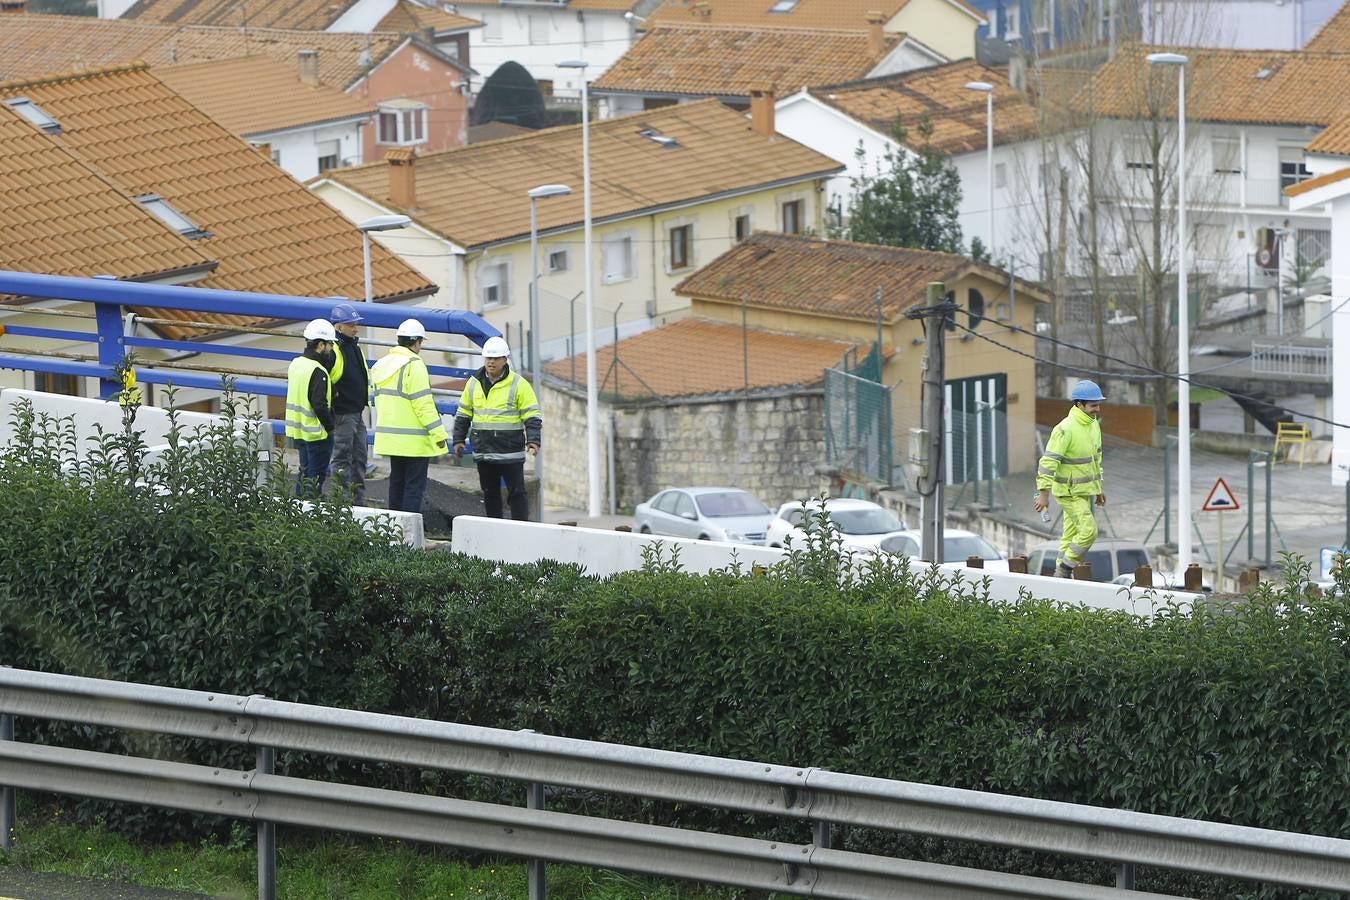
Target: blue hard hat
{"points": [[1086, 390], [344, 313]]}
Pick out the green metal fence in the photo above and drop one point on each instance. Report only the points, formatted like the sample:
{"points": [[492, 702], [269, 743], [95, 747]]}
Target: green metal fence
{"points": [[858, 421]]}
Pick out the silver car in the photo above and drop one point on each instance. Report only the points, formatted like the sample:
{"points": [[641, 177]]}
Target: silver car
{"points": [[706, 513]]}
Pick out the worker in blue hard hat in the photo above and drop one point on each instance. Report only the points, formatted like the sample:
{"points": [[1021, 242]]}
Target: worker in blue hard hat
{"points": [[1071, 469], [351, 394]]}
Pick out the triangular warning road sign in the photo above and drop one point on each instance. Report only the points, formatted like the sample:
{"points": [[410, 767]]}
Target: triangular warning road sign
{"points": [[1220, 498]]}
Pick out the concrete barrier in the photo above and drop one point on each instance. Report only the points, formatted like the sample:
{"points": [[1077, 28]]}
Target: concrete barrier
{"points": [[603, 553]]}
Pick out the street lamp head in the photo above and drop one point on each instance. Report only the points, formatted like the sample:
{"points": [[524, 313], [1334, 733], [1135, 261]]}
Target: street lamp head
{"points": [[383, 223], [544, 191], [1168, 59], [981, 86], [573, 64], [634, 17]]}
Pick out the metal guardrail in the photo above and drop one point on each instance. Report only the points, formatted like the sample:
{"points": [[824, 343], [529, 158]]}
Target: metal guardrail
{"points": [[1282, 358], [806, 794]]}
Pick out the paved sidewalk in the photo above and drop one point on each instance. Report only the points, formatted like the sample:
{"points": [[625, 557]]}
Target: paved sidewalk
{"points": [[17, 884]]}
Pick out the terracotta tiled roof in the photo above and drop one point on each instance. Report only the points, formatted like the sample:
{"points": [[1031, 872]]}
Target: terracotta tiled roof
{"points": [[1334, 36], [257, 94], [407, 17], [314, 15], [1334, 141], [614, 5], [268, 232], [938, 93], [806, 14], [36, 46], [494, 131], [1265, 87], [475, 195], [1313, 184], [58, 210], [727, 61], [696, 357], [832, 278]]}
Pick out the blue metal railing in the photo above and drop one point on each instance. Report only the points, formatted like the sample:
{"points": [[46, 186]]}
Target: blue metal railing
{"points": [[112, 299]]}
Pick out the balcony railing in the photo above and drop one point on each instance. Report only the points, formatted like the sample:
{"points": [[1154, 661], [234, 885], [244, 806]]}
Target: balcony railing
{"points": [[1290, 360]]}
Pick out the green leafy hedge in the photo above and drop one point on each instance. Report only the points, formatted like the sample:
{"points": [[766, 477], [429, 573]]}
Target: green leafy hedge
{"points": [[193, 575]]}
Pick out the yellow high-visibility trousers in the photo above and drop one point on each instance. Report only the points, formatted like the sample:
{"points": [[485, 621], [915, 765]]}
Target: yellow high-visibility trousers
{"points": [[1080, 529]]}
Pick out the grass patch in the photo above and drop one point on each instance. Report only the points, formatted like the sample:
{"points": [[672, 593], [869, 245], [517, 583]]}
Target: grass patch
{"points": [[310, 865]]}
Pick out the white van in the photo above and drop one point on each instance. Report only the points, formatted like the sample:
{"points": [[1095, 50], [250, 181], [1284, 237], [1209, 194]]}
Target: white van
{"points": [[1110, 558]]}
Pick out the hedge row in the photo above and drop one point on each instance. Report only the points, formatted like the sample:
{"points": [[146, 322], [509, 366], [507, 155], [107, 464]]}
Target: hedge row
{"points": [[193, 576]]}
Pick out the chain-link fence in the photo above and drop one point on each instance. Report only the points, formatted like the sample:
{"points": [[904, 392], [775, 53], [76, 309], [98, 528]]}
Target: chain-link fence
{"points": [[858, 429]]}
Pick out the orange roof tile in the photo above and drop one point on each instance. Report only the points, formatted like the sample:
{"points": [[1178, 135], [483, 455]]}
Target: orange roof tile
{"points": [[475, 195], [938, 94], [1334, 141], [314, 15], [727, 61], [1334, 36], [832, 278], [1313, 184], [36, 46], [256, 94], [409, 18], [268, 232], [806, 14], [63, 217], [696, 357], [1266, 87]]}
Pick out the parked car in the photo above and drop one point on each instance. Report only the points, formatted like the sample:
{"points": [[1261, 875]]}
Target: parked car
{"points": [[706, 513], [862, 524], [957, 546], [1110, 558]]}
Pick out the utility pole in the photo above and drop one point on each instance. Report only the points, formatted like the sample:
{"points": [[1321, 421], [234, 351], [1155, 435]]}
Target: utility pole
{"points": [[929, 439]]}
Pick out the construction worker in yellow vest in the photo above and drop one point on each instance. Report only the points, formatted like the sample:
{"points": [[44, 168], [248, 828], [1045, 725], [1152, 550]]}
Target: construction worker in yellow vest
{"points": [[309, 414], [501, 410], [408, 428], [1071, 469]]}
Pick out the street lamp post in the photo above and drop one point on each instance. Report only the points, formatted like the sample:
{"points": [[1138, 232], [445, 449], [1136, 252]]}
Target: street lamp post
{"points": [[1183, 323], [543, 192], [376, 223], [592, 388], [988, 90]]}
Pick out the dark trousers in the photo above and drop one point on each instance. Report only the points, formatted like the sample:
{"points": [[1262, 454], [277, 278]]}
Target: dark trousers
{"points": [[314, 456], [349, 453], [490, 478], [407, 482]]}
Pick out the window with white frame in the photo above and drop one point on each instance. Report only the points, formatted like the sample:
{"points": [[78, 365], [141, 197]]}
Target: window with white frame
{"points": [[329, 153], [616, 258], [1138, 153], [557, 260], [1012, 22], [1000, 175], [741, 227], [1227, 156], [680, 247], [541, 26], [494, 284], [492, 25], [402, 122], [792, 216], [1045, 16], [1293, 167], [276, 157]]}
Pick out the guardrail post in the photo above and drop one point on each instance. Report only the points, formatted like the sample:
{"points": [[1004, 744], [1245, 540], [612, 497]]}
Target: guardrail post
{"points": [[824, 835], [108, 321], [267, 835], [7, 820], [538, 875], [1125, 876]]}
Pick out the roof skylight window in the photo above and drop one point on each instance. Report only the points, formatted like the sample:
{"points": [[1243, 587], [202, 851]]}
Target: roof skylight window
{"points": [[783, 6], [34, 113], [653, 135], [158, 207]]}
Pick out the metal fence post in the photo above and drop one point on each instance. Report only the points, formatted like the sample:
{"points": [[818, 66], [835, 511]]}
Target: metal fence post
{"points": [[538, 875], [1125, 876], [1251, 504], [108, 321], [7, 821], [267, 835], [1270, 466], [1167, 489], [824, 835]]}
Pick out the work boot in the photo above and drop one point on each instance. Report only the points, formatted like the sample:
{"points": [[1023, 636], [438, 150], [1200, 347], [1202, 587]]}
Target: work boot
{"points": [[1063, 570]]}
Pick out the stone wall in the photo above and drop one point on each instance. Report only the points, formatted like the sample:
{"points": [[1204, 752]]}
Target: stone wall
{"points": [[768, 444]]}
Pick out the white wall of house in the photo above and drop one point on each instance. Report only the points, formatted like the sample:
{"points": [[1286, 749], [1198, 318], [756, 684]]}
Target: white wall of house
{"points": [[539, 36], [113, 9], [299, 150], [1244, 24]]}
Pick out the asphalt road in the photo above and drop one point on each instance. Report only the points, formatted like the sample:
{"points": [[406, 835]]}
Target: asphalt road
{"points": [[20, 885]]}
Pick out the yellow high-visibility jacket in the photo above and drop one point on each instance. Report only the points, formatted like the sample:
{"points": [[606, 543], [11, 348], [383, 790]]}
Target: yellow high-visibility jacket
{"points": [[406, 420], [302, 421], [502, 418], [1072, 464]]}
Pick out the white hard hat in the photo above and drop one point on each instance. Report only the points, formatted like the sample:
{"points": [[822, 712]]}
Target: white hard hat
{"points": [[320, 330], [411, 328], [496, 346]]}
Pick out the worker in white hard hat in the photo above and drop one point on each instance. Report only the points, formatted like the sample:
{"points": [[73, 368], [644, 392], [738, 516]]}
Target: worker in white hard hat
{"points": [[408, 427], [309, 414], [500, 410]]}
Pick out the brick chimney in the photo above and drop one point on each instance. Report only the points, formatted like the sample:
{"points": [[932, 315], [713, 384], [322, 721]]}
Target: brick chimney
{"points": [[876, 37], [308, 66], [402, 177], [13, 6], [761, 110]]}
